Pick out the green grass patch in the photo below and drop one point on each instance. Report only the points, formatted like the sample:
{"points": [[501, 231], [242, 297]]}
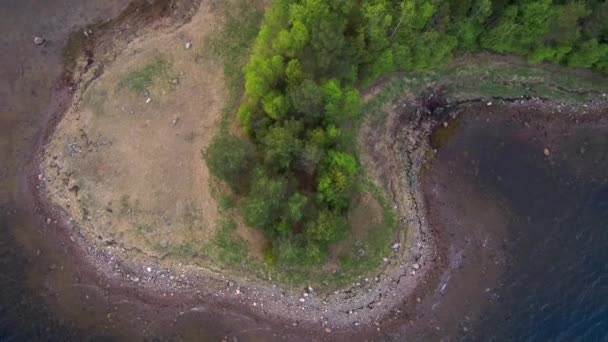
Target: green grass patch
{"points": [[186, 250], [141, 79], [230, 250], [376, 244]]}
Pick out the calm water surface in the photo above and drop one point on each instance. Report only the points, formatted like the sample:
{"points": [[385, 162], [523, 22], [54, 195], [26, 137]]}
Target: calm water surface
{"points": [[554, 285]]}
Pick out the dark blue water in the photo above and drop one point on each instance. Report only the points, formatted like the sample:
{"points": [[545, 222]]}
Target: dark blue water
{"points": [[555, 287]]}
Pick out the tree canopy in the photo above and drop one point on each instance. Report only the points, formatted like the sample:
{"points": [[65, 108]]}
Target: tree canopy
{"points": [[301, 96]]}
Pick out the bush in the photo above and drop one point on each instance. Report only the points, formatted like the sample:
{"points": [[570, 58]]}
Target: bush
{"points": [[330, 226], [230, 159]]}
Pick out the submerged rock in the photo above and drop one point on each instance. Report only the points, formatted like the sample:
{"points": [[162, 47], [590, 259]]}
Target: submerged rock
{"points": [[39, 40]]}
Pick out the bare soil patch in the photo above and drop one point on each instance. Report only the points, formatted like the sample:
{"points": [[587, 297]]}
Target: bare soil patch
{"points": [[125, 161]]}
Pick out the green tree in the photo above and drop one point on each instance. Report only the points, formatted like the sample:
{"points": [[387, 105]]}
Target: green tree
{"points": [[289, 43], [307, 100], [469, 21], [594, 26], [296, 205], [588, 54], [341, 105], [275, 105], [377, 22], [293, 73], [520, 28], [336, 180], [266, 202], [261, 75], [281, 144]]}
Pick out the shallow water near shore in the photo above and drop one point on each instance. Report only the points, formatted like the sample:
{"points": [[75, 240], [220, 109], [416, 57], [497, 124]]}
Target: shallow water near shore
{"points": [[550, 260], [555, 285]]}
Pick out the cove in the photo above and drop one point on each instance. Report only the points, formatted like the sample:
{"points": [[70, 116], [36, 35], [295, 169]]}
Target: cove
{"points": [[540, 222]]}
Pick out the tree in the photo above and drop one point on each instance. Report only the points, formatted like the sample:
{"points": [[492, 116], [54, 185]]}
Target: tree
{"points": [[588, 54], [377, 22], [329, 52], [307, 100], [594, 26], [337, 179], [562, 34], [265, 204], [521, 28], [281, 144], [275, 105], [341, 105], [229, 158], [293, 73], [469, 25], [289, 43], [433, 49], [302, 104], [296, 205], [261, 75]]}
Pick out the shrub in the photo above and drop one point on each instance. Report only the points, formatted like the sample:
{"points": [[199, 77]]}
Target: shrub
{"points": [[330, 226], [230, 158]]}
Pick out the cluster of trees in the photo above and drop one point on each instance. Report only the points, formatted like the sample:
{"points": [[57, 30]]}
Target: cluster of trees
{"points": [[420, 34], [295, 168]]}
